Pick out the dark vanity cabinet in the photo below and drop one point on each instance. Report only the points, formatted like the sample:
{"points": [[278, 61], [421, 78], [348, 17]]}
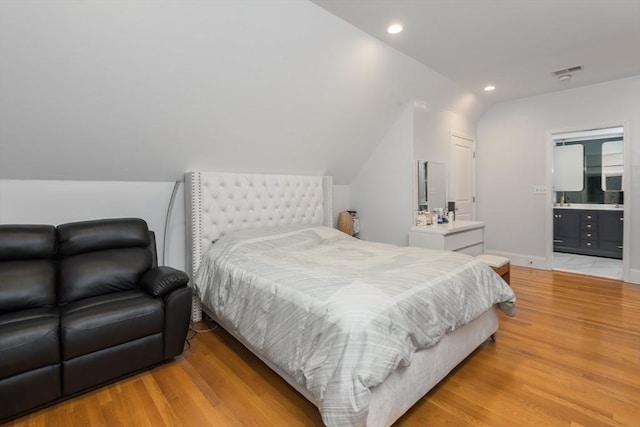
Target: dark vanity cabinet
{"points": [[566, 230], [588, 232]]}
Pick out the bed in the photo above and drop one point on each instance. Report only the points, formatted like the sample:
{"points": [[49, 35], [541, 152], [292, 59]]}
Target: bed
{"points": [[264, 244]]}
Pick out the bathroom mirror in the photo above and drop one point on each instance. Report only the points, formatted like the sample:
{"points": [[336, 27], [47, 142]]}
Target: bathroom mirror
{"points": [[568, 167], [432, 185]]}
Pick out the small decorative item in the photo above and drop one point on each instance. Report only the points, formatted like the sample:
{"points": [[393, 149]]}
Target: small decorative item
{"points": [[422, 219], [356, 223], [345, 223]]}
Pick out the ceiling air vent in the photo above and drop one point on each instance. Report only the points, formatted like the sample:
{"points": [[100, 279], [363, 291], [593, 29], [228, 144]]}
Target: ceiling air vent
{"points": [[567, 71]]}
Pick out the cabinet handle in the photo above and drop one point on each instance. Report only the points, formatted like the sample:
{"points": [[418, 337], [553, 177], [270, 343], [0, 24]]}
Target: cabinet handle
{"points": [[588, 234], [557, 241], [588, 243], [621, 219], [559, 215], [619, 247], [588, 225], [588, 216]]}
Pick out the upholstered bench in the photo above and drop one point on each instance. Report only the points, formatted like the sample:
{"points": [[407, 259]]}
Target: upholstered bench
{"points": [[499, 264]]}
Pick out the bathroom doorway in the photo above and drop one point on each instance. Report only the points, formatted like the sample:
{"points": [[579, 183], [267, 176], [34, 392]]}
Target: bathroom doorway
{"points": [[588, 176]]}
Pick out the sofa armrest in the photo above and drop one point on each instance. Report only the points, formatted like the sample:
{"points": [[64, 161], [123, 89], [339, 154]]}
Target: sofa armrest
{"points": [[159, 281]]}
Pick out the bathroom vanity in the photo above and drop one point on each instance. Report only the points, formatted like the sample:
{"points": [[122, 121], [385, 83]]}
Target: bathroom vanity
{"points": [[588, 229]]}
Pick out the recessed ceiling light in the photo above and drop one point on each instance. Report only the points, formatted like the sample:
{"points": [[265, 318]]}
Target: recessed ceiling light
{"points": [[489, 88], [394, 29]]}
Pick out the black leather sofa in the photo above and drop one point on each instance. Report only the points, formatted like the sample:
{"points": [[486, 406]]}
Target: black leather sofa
{"points": [[81, 305]]}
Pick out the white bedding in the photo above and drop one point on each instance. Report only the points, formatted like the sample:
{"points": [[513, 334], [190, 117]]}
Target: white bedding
{"points": [[339, 314]]}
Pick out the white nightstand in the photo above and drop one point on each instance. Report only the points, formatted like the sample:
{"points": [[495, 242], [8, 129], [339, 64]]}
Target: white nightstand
{"points": [[460, 236]]}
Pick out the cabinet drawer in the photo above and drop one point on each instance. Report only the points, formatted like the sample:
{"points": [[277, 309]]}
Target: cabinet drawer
{"points": [[611, 246], [463, 239], [565, 243], [589, 235]]}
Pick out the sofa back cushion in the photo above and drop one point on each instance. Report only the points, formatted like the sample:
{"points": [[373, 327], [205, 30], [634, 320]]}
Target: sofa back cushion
{"points": [[102, 256], [27, 267]]}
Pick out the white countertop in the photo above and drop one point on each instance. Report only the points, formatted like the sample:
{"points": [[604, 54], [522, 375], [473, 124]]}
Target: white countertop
{"points": [[449, 227], [588, 206]]}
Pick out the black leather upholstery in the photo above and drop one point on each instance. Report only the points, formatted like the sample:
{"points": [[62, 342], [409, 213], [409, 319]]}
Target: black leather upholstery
{"points": [[27, 284], [75, 311], [162, 280], [102, 272], [29, 390], [105, 321], [29, 318], [178, 312], [27, 267], [27, 242], [88, 371], [32, 333], [99, 235]]}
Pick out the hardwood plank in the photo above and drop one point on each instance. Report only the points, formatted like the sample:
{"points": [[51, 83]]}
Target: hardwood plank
{"points": [[571, 356]]}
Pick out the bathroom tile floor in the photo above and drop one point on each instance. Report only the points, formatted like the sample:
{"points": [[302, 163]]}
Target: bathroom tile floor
{"points": [[593, 266]]}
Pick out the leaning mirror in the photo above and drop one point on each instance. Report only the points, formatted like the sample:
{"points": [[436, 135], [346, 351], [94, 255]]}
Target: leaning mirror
{"points": [[432, 185]]}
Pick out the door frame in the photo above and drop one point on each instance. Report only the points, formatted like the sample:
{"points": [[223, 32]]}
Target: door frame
{"points": [[473, 168], [626, 188]]}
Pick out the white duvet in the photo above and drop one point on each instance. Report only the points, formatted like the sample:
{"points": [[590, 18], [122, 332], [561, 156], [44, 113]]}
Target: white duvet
{"points": [[339, 314]]}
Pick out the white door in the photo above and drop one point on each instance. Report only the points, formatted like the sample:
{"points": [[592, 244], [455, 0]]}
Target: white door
{"points": [[462, 184]]}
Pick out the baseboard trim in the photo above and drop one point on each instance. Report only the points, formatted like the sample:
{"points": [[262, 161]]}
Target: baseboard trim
{"points": [[634, 276], [524, 260]]}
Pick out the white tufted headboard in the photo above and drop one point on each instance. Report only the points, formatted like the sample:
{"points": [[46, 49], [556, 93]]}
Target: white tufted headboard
{"points": [[219, 203]]}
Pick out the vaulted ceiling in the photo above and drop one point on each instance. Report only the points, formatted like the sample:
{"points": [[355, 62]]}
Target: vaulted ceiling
{"points": [[512, 44]]}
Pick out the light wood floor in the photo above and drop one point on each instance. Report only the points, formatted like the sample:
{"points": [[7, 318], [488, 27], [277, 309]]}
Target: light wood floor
{"points": [[570, 357]]}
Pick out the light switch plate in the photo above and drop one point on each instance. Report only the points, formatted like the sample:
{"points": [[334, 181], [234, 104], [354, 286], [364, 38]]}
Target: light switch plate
{"points": [[539, 189]]}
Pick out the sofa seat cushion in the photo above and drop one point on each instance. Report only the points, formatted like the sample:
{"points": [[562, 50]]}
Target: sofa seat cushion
{"points": [[104, 321], [29, 339]]}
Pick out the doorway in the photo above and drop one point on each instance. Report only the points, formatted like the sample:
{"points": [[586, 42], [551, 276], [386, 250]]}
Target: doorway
{"points": [[462, 167], [588, 176]]}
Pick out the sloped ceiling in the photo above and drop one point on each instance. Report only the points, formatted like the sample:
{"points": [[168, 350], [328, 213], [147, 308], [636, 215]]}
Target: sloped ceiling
{"points": [[100, 90], [512, 44]]}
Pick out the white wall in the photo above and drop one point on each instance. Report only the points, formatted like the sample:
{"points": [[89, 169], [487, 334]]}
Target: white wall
{"points": [[433, 128], [382, 190], [146, 90], [513, 155]]}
